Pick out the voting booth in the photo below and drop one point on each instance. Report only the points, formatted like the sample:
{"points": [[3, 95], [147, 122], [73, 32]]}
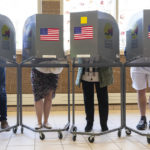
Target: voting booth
{"points": [[94, 43], [137, 54], [138, 36], [43, 37], [8, 59], [43, 50], [93, 34], [7, 39]]}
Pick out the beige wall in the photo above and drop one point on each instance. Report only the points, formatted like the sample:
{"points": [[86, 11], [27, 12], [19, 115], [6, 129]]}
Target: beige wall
{"points": [[63, 80]]}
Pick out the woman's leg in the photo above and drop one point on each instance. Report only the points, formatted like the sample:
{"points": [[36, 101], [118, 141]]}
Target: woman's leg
{"points": [[142, 107], [39, 110], [102, 96], [142, 101], [47, 106], [88, 93]]}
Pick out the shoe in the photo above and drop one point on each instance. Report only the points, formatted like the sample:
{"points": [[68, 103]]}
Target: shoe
{"points": [[142, 125], [149, 125], [104, 129], [38, 126], [104, 126], [88, 127], [47, 126], [4, 125]]}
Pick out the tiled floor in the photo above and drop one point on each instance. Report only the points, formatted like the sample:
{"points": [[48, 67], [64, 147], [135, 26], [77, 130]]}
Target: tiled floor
{"points": [[30, 140]]}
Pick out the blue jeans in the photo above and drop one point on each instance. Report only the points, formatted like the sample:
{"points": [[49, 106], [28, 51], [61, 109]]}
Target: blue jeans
{"points": [[3, 97]]}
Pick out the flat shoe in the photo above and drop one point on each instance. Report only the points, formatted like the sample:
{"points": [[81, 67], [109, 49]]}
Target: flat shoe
{"points": [[38, 126], [47, 126]]}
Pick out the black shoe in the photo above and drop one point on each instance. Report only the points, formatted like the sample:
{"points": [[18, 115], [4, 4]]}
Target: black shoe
{"points": [[104, 129], [88, 127], [142, 125], [149, 125]]}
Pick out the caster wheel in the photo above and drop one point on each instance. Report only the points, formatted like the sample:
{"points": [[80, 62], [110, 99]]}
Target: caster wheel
{"points": [[15, 130], [74, 129], [119, 133], [22, 130], [91, 139], [60, 136], [74, 138], [148, 140], [128, 132], [42, 136]]}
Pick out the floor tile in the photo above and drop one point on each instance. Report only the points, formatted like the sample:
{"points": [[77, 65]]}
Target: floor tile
{"points": [[22, 139], [77, 147], [20, 148], [69, 140], [127, 145], [104, 146], [49, 147]]}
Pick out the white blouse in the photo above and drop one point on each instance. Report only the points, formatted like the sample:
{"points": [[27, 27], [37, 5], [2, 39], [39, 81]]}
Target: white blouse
{"points": [[54, 70]]}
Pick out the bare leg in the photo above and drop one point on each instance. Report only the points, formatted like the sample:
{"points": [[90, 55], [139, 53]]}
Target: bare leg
{"points": [[142, 101], [47, 106], [39, 110]]}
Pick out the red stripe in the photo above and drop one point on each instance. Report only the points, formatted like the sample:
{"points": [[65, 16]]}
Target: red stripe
{"points": [[83, 39], [49, 36], [49, 39]]}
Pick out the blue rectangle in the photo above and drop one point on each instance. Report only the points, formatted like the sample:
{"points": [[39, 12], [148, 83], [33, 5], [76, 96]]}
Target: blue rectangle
{"points": [[149, 28], [77, 30], [43, 31]]}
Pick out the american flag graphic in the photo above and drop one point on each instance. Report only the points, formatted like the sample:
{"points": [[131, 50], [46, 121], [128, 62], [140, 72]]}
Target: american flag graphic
{"points": [[149, 31], [84, 32], [49, 34]]}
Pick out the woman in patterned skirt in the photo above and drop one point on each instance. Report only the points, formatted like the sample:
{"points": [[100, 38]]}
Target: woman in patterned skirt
{"points": [[44, 84]]}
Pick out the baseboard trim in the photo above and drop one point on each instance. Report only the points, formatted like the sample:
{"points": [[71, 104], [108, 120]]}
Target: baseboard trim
{"points": [[62, 99]]}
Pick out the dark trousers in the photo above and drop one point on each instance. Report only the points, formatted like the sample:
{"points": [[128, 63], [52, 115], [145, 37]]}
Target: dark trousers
{"points": [[102, 96], [3, 97]]}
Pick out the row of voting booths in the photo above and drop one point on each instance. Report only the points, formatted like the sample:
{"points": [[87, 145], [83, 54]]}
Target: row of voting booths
{"points": [[93, 35]]}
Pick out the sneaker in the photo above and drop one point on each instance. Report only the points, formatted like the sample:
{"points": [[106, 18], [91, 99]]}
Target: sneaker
{"points": [[4, 125], [47, 126], [38, 126], [88, 127], [142, 125]]}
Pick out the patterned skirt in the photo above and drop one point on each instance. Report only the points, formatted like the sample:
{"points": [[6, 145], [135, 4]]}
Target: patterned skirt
{"points": [[43, 83]]}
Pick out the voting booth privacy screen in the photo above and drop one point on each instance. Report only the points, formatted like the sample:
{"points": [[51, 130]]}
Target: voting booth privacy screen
{"points": [[43, 37], [7, 39], [138, 36], [94, 33]]}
